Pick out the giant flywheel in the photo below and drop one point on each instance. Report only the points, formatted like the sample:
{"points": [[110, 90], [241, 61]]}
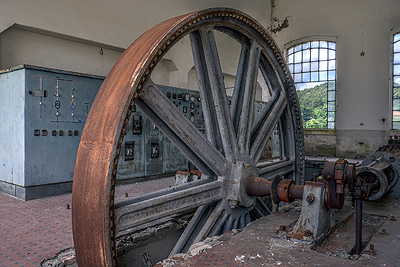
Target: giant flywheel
{"points": [[230, 151]]}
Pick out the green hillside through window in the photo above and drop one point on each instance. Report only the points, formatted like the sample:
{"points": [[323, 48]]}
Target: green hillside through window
{"points": [[313, 104]]}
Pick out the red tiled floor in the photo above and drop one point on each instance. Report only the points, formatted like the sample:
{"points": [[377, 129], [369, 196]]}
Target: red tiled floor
{"points": [[31, 231]]}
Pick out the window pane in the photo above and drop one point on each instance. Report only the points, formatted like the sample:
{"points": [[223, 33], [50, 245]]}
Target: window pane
{"points": [[298, 47], [306, 77], [291, 68], [331, 116], [323, 44], [332, 54], [306, 45], [396, 47], [331, 125], [314, 54], [396, 104], [331, 95], [297, 57], [297, 77], [396, 69], [323, 54], [396, 58], [331, 85], [323, 75], [331, 106], [332, 75], [332, 45], [306, 67], [290, 51], [314, 66], [306, 55], [290, 59], [332, 64], [297, 68], [323, 65], [396, 93], [396, 81], [315, 44], [396, 124], [314, 76]]}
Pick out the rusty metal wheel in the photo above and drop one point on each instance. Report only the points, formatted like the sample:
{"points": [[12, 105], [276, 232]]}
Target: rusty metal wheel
{"points": [[227, 155]]}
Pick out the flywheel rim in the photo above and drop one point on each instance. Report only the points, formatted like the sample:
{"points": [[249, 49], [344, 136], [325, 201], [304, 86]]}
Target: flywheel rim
{"points": [[96, 166]]}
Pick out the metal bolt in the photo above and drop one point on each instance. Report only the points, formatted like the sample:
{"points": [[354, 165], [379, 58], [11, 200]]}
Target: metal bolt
{"points": [[310, 198], [233, 203], [307, 233], [371, 248]]}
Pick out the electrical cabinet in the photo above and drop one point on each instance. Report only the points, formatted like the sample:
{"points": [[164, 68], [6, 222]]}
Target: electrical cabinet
{"points": [[43, 113]]}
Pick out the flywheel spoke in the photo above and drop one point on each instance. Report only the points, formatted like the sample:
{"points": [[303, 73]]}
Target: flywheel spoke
{"points": [[214, 222], [167, 202], [165, 115], [217, 118], [242, 108], [273, 169], [206, 221], [265, 124]]}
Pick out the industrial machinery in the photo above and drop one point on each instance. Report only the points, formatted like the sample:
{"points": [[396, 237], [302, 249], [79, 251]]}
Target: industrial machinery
{"points": [[227, 154], [380, 171]]}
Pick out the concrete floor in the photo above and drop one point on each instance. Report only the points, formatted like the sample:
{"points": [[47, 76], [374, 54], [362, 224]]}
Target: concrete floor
{"points": [[35, 230], [258, 245]]}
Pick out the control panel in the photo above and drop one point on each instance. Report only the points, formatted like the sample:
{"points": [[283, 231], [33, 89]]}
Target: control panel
{"points": [[188, 102]]}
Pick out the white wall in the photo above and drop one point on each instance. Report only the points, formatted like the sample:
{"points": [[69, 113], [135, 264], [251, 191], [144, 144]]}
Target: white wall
{"points": [[101, 23], [22, 45], [363, 95]]}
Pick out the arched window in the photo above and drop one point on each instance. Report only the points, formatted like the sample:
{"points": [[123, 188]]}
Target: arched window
{"points": [[396, 82], [313, 66]]}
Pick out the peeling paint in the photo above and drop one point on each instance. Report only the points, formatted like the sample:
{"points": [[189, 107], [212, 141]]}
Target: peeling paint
{"points": [[279, 25]]}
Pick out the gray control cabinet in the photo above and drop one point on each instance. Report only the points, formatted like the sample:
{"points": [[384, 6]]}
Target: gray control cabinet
{"points": [[43, 113]]}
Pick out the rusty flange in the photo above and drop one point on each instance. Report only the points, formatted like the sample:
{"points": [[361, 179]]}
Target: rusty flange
{"points": [[336, 176]]}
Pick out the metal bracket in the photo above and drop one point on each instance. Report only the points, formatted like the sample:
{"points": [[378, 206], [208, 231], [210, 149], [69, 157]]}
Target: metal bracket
{"points": [[315, 219]]}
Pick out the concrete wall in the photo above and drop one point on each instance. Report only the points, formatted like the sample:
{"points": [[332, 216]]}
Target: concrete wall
{"points": [[24, 45], [363, 31]]}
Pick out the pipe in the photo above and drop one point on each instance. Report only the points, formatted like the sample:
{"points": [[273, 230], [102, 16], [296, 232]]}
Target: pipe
{"points": [[258, 187], [358, 196]]}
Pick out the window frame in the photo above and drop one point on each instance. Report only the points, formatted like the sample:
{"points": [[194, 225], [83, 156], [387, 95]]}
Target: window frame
{"points": [[313, 38], [393, 32]]}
